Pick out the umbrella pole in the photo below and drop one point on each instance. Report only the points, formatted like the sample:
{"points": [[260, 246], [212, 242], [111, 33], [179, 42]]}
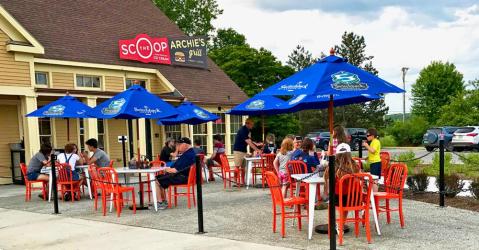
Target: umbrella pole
{"points": [[263, 126], [68, 129], [332, 177]]}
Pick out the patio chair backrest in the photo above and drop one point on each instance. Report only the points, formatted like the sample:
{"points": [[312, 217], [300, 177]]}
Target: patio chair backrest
{"points": [[353, 187], [108, 179], [267, 160], [385, 160], [396, 178], [274, 187], [64, 172], [225, 165], [192, 175], [23, 168]]}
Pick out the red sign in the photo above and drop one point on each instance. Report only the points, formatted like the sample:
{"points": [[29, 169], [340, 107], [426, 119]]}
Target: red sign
{"points": [[145, 49]]}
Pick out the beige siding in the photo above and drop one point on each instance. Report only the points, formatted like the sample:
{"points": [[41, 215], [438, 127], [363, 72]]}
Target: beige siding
{"points": [[157, 87], [114, 83], [9, 133], [62, 80], [156, 141], [61, 132], [116, 128], [12, 72]]}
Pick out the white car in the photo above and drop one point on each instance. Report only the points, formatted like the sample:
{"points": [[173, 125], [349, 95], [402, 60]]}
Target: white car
{"points": [[466, 138]]}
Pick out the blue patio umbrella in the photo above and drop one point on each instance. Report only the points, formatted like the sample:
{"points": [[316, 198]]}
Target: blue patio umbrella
{"points": [[65, 107], [189, 114]]}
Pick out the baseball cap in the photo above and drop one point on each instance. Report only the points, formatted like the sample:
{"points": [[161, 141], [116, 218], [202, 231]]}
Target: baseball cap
{"points": [[343, 148], [184, 140]]}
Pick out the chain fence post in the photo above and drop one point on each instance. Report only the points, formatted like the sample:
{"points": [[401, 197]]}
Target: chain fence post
{"points": [[199, 195], [53, 159], [441, 171], [332, 208], [360, 149]]}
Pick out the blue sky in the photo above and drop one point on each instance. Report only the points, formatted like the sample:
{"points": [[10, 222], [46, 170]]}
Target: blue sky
{"points": [[398, 33]]}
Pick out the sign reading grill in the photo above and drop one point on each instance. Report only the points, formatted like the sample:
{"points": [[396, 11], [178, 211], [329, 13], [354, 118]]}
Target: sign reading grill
{"points": [[186, 51]]}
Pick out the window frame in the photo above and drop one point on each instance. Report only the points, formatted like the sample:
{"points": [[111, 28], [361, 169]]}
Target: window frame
{"points": [[47, 77], [40, 134], [133, 79], [83, 76]]}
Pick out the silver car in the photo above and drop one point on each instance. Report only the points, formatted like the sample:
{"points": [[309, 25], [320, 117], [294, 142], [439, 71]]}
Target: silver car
{"points": [[466, 138]]}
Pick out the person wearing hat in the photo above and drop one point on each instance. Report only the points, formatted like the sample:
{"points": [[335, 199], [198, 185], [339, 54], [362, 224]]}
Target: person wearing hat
{"points": [[178, 172]]}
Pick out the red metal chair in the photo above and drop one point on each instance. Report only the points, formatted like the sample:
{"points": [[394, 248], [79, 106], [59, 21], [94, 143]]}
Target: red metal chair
{"points": [[267, 160], [257, 169], [385, 160], [278, 200], [108, 178], [359, 162], [190, 188], [394, 187], [28, 184], [156, 164], [66, 182], [227, 171], [296, 167], [356, 190], [95, 183]]}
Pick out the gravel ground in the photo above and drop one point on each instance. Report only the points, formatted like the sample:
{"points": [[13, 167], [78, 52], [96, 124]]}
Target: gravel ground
{"points": [[246, 216]]}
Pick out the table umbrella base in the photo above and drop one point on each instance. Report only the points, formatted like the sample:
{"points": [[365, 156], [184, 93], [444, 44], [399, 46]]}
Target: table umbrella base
{"points": [[323, 229], [139, 207]]}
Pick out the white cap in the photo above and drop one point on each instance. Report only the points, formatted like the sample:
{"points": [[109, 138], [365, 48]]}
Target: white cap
{"points": [[343, 148]]}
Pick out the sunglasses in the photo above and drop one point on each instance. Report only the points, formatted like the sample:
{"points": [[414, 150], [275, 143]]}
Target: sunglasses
{"points": [[368, 135]]}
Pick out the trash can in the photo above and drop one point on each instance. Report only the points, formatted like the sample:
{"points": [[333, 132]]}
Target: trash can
{"points": [[18, 156]]}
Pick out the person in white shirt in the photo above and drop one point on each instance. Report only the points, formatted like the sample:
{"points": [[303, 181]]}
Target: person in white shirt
{"points": [[71, 158]]}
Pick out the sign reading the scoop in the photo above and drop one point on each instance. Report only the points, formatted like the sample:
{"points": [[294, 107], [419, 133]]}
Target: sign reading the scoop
{"points": [[187, 51]]}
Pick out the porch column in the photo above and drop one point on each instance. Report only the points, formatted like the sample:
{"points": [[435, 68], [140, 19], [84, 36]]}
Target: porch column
{"points": [[30, 126], [228, 134], [91, 124], [142, 136], [209, 138]]}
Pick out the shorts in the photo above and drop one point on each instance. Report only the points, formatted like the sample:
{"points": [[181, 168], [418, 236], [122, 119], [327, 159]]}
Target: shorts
{"points": [[168, 180], [375, 168], [32, 176], [283, 176], [238, 159], [75, 175]]}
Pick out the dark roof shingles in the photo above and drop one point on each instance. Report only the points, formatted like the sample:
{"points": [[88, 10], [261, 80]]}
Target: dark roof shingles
{"points": [[89, 30]]}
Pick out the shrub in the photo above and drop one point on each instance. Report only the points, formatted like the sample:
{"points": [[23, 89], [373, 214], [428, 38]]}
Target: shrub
{"points": [[409, 132], [448, 166], [387, 141], [452, 185], [471, 161], [418, 183], [474, 188]]}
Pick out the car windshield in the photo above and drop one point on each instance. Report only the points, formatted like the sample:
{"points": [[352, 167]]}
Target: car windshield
{"points": [[324, 134], [434, 131], [465, 130]]}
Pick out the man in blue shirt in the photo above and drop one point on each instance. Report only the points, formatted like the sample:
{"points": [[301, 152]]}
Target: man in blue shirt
{"points": [[178, 172], [242, 140]]}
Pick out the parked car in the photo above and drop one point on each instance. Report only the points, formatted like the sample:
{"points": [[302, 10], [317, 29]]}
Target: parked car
{"points": [[466, 138], [312, 135], [356, 136], [430, 140], [322, 141]]}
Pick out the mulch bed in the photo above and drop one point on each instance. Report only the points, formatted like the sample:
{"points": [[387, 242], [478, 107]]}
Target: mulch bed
{"points": [[468, 203]]}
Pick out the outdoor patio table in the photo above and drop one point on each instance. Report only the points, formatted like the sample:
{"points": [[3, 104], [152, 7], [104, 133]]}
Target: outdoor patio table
{"points": [[249, 167], [313, 181], [150, 172], [48, 171]]}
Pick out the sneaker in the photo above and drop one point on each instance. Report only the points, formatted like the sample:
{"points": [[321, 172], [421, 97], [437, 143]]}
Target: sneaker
{"points": [[163, 205]]}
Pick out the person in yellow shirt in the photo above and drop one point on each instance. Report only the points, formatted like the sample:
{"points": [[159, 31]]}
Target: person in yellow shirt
{"points": [[374, 150]]}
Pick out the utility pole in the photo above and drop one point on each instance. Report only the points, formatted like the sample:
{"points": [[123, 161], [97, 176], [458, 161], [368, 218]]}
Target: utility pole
{"points": [[404, 70]]}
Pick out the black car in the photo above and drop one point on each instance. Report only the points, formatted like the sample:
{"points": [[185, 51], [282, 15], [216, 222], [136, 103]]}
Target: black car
{"points": [[356, 136], [430, 139], [322, 140]]}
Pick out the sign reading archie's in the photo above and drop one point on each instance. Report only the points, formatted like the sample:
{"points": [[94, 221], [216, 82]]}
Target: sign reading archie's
{"points": [[187, 51]]}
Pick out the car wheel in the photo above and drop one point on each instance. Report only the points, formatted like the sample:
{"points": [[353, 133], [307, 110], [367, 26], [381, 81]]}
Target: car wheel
{"points": [[430, 149], [459, 149], [325, 146], [449, 147], [355, 146]]}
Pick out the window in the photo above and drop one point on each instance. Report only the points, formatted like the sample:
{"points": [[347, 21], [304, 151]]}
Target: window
{"points": [[173, 131], [130, 82], [235, 125], [200, 133], [82, 135], [219, 126], [45, 129], [88, 81], [101, 134], [41, 78]]}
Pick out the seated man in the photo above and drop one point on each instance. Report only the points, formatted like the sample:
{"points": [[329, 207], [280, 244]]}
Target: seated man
{"points": [[99, 157], [178, 172]]}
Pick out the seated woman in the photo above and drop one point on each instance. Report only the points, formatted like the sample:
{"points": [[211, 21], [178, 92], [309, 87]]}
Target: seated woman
{"points": [[307, 155], [343, 165], [72, 158], [269, 145], [38, 161], [214, 160]]}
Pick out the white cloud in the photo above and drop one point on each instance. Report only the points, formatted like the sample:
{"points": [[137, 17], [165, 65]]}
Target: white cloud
{"points": [[395, 37]]}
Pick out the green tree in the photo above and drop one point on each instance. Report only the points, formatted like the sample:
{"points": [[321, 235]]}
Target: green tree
{"points": [[462, 110], [194, 17], [410, 132], [436, 86], [227, 37], [300, 58]]}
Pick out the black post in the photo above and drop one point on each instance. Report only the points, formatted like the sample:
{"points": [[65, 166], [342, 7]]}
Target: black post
{"points": [[441, 171], [332, 208], [54, 184], [199, 195], [360, 149], [123, 147]]}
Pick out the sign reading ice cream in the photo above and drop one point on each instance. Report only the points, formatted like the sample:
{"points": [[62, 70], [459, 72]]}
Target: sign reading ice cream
{"points": [[186, 51]]}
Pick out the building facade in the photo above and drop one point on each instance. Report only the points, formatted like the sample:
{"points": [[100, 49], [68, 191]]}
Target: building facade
{"points": [[49, 48]]}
